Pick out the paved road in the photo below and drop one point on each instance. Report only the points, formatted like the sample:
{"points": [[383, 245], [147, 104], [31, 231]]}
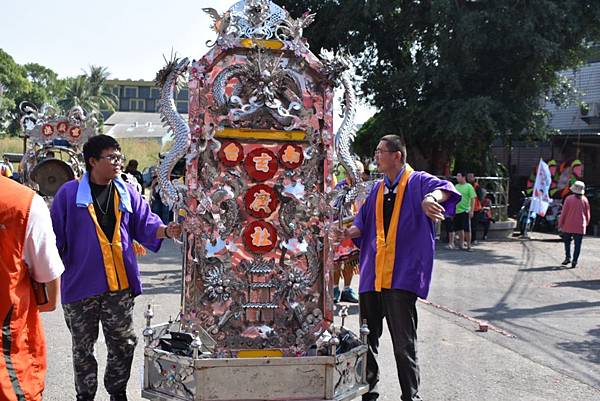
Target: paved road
{"points": [[516, 286], [520, 286]]}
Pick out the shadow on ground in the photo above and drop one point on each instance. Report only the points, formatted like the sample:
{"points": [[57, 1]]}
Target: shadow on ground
{"points": [[585, 284], [161, 282], [503, 312], [546, 269], [588, 350], [479, 256]]}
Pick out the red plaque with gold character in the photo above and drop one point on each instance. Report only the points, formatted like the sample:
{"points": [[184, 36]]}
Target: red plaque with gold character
{"points": [[260, 237], [261, 164], [231, 153], [261, 201], [291, 156]]}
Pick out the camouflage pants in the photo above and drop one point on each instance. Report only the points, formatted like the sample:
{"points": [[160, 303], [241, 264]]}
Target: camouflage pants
{"points": [[115, 311]]}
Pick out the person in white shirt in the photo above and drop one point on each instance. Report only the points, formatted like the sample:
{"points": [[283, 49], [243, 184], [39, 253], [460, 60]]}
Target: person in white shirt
{"points": [[30, 270]]}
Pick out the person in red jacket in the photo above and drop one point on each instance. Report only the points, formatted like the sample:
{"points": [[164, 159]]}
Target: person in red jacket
{"points": [[573, 221], [28, 256]]}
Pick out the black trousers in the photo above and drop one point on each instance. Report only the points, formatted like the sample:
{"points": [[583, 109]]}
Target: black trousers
{"points": [[398, 307]]}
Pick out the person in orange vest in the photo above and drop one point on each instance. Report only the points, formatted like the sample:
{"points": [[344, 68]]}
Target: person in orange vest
{"points": [[28, 256], [477, 218]]}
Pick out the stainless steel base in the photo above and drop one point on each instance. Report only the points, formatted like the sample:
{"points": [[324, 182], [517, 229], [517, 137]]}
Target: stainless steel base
{"points": [[324, 378]]}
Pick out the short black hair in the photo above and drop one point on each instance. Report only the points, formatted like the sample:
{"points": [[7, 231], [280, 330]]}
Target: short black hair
{"points": [[461, 173], [132, 164], [94, 147], [395, 143]]}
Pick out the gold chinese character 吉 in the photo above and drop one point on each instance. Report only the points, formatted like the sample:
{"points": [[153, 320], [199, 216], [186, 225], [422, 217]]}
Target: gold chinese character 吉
{"points": [[261, 163]]}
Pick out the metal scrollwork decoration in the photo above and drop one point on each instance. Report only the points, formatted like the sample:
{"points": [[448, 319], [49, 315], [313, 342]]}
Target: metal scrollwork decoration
{"points": [[53, 153], [266, 86]]}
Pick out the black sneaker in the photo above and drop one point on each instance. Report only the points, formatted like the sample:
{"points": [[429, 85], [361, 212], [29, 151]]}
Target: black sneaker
{"points": [[349, 295], [370, 396], [566, 262], [573, 265]]}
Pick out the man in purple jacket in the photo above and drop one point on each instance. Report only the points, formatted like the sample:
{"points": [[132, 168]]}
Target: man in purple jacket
{"points": [[96, 219], [394, 230]]}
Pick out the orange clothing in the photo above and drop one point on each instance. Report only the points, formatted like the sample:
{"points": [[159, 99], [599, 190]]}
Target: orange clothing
{"points": [[575, 215], [23, 354], [478, 206]]}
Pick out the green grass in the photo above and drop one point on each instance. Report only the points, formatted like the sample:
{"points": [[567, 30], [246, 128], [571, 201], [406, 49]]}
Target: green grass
{"points": [[145, 151], [11, 145]]}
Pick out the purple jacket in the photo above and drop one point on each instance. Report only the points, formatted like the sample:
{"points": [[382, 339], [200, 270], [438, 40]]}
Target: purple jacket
{"points": [[79, 245], [415, 238]]}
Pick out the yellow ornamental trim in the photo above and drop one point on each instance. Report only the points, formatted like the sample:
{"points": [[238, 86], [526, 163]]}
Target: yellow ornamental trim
{"points": [[265, 44], [262, 134]]}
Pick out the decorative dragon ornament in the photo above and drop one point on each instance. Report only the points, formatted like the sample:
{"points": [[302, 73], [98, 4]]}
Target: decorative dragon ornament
{"points": [[172, 192], [337, 68], [258, 19], [265, 87]]}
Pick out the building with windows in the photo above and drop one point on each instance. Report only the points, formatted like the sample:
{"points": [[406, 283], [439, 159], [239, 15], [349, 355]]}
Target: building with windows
{"points": [[137, 114], [142, 96]]}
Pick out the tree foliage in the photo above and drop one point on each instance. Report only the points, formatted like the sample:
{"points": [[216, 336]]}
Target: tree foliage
{"points": [[454, 75], [90, 91], [40, 85]]}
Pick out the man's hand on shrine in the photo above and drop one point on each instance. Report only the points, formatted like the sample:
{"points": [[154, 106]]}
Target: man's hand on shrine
{"points": [[338, 234], [173, 230], [432, 208]]}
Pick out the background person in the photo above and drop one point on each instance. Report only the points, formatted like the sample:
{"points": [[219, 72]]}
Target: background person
{"points": [[477, 218], [132, 168], [573, 221], [346, 253], [28, 255], [464, 213]]}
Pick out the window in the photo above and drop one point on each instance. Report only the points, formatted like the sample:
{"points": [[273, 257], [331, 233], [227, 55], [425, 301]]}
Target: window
{"points": [[144, 92], [182, 106], [183, 94], [137, 104], [130, 91], [151, 106], [155, 93]]}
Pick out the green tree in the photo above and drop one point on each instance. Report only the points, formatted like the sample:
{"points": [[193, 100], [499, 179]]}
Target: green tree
{"points": [[91, 92], [43, 77], [455, 75], [15, 83], [31, 82]]}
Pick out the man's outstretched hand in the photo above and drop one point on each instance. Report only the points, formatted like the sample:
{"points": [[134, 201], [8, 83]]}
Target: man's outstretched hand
{"points": [[433, 209]]}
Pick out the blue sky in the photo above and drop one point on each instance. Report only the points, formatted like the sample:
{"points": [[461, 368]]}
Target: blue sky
{"points": [[129, 37]]}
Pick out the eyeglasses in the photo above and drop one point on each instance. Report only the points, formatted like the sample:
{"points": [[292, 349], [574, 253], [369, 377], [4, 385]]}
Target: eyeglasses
{"points": [[379, 151], [114, 159]]}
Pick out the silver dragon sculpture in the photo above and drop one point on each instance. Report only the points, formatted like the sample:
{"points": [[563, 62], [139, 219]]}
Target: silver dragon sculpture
{"points": [[172, 193], [337, 68], [266, 86]]}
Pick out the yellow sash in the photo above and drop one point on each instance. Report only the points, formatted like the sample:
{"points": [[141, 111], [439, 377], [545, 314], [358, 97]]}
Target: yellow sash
{"points": [[386, 247], [112, 253]]}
